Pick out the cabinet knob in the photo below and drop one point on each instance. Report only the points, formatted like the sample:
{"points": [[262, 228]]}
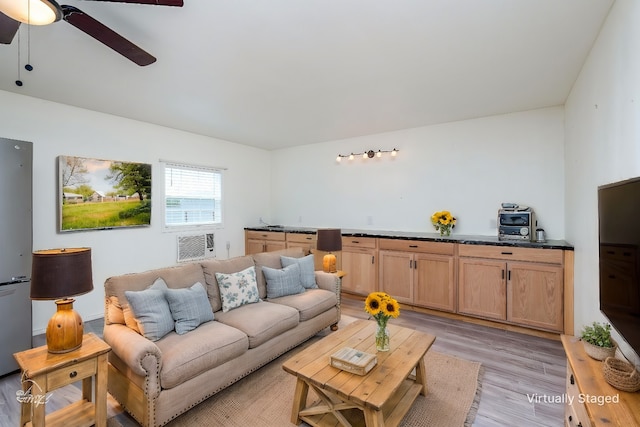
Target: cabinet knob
{"points": [[73, 374], [570, 418], [572, 380]]}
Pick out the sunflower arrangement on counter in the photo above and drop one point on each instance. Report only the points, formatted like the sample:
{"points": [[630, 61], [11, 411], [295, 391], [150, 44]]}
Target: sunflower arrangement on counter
{"points": [[443, 221]]}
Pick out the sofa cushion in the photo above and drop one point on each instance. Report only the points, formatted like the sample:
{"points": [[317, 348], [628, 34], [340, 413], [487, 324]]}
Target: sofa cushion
{"points": [[307, 269], [310, 303], [237, 289], [189, 307], [261, 321], [272, 260], [151, 310], [209, 345], [283, 281], [227, 266]]}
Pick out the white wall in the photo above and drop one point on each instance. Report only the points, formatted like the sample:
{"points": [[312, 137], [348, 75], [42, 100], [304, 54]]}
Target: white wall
{"points": [[57, 129], [467, 167], [602, 143]]}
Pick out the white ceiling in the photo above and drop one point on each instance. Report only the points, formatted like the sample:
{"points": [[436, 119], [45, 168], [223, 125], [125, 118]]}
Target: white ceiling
{"points": [[280, 73]]}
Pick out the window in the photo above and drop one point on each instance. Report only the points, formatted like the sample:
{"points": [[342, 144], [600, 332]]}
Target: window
{"points": [[192, 196]]}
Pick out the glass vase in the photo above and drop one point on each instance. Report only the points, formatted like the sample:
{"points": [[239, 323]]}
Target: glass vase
{"points": [[445, 231], [382, 338]]}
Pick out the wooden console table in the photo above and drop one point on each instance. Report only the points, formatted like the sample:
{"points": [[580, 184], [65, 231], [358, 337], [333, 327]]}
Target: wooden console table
{"points": [[43, 372], [595, 402]]}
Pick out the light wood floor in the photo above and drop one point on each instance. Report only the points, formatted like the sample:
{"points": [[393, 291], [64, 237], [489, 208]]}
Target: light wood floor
{"points": [[515, 366]]}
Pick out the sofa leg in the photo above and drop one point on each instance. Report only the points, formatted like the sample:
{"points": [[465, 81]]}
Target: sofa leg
{"points": [[334, 327]]}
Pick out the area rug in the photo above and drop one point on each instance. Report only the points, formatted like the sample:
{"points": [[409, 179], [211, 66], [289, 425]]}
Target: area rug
{"points": [[264, 398]]}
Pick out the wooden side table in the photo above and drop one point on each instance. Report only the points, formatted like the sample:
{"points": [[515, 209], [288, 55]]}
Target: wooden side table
{"points": [[43, 372]]}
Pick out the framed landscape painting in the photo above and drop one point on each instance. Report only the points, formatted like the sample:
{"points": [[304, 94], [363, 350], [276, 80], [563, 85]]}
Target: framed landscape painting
{"points": [[103, 194]]}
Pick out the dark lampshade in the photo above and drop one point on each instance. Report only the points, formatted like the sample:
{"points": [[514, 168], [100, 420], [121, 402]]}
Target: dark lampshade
{"points": [[329, 240], [59, 274]]}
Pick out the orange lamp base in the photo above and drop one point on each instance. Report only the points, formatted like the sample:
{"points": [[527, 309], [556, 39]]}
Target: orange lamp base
{"points": [[329, 263], [65, 328]]}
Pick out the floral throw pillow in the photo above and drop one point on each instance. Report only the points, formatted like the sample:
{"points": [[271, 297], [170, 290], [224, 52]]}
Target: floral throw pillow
{"points": [[237, 289]]}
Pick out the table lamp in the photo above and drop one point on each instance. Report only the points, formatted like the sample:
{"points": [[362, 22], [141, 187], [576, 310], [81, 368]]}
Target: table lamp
{"points": [[329, 240], [60, 274]]}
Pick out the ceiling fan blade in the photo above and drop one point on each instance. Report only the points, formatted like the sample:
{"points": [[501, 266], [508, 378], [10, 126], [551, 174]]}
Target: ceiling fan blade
{"points": [[8, 28], [178, 3], [106, 35]]}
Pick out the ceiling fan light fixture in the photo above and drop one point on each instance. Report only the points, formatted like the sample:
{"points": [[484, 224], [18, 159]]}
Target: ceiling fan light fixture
{"points": [[32, 12]]}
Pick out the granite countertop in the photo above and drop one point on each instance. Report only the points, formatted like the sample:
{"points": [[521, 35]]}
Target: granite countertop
{"points": [[434, 237]]}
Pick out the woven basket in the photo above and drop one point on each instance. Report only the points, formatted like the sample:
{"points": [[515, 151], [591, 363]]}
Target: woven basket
{"points": [[621, 374], [599, 353]]}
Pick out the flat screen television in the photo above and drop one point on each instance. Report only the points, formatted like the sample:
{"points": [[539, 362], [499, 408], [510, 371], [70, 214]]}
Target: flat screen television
{"points": [[619, 240]]}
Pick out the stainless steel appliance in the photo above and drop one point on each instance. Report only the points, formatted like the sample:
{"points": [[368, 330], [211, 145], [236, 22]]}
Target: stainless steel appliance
{"points": [[16, 165], [516, 222]]}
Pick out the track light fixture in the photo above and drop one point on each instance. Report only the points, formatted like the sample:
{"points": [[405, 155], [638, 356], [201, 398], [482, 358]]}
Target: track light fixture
{"points": [[370, 154]]}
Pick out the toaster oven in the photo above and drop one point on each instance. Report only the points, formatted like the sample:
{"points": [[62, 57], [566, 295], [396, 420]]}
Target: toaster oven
{"points": [[516, 224]]}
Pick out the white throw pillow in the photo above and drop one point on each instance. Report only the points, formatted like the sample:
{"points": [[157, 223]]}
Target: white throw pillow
{"points": [[237, 289]]}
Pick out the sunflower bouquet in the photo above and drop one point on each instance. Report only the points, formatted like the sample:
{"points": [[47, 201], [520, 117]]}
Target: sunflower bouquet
{"points": [[443, 221], [382, 307]]}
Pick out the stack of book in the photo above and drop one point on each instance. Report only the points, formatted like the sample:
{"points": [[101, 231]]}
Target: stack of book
{"points": [[353, 361]]}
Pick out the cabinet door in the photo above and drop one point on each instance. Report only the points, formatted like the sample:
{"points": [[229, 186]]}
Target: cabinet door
{"points": [[254, 246], [434, 281], [482, 288], [360, 266], [534, 295], [396, 275]]}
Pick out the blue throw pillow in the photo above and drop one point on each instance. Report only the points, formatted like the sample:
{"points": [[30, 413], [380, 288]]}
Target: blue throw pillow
{"points": [[307, 269], [189, 307], [151, 310], [282, 282]]}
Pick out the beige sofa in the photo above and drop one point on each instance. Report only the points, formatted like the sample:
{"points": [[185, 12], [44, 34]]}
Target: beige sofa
{"points": [[155, 381]]}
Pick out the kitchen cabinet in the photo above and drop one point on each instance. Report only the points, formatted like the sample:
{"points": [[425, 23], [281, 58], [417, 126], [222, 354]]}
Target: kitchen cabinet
{"points": [[360, 262], [263, 241], [419, 273], [522, 286], [482, 288]]}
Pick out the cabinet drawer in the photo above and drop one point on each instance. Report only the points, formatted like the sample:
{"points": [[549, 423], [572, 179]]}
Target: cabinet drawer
{"points": [[575, 412], [619, 253], [359, 242], [509, 253], [265, 235], [417, 246], [70, 374], [301, 237]]}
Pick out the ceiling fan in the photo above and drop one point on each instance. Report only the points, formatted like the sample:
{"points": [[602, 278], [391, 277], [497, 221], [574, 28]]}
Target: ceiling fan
{"points": [[43, 12]]}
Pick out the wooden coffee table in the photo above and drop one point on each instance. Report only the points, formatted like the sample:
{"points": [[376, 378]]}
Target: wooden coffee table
{"points": [[380, 398]]}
